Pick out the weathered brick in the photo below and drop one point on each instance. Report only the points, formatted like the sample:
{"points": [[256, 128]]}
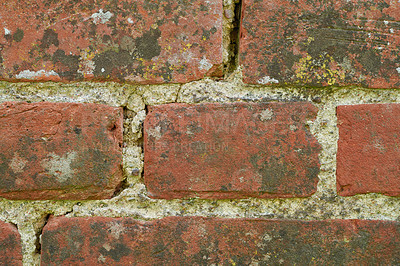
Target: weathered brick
{"points": [[206, 241], [231, 150], [10, 245], [137, 41], [59, 150], [368, 149], [321, 42]]}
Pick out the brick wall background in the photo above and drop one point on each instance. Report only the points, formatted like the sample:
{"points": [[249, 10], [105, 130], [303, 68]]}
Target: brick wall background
{"points": [[199, 132]]}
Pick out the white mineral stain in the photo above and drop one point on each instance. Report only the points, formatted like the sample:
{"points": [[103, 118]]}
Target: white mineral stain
{"points": [[266, 80], [101, 17], [205, 64], [101, 258], [267, 237], [60, 167], [182, 57], [155, 132], [116, 229], [86, 66], [130, 21], [266, 115], [27, 74], [107, 246], [7, 31], [18, 163]]}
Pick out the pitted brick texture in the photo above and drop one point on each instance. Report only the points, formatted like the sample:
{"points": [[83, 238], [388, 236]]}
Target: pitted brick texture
{"points": [[59, 150], [10, 245], [232, 150], [321, 42], [136, 41], [368, 149], [206, 241]]}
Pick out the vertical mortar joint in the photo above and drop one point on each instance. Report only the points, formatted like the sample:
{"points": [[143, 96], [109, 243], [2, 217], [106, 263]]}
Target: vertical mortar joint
{"points": [[38, 242], [232, 13]]}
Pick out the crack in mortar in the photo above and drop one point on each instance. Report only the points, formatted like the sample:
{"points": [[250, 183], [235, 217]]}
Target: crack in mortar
{"points": [[39, 235], [133, 200], [231, 34], [30, 218]]}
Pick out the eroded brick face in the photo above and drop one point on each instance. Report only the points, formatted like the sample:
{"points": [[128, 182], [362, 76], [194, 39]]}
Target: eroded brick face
{"points": [[59, 150], [136, 41], [10, 245], [200, 241], [321, 42], [368, 149], [231, 150]]}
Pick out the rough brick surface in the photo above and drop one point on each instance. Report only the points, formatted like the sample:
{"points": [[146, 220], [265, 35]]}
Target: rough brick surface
{"points": [[321, 42], [206, 241], [10, 245], [134, 40], [59, 150], [368, 149], [230, 150]]}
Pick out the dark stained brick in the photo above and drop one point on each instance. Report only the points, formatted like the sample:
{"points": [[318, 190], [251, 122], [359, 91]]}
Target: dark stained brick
{"points": [[321, 42], [137, 41], [232, 150], [59, 150], [10, 245], [207, 241], [368, 158]]}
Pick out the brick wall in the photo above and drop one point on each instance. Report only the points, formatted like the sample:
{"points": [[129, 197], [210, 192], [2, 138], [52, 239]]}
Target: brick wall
{"points": [[199, 132]]}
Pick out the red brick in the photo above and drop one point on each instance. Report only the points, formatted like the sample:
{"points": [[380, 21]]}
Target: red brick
{"points": [[368, 149], [321, 42], [137, 41], [206, 241], [59, 150], [10, 245], [232, 150]]}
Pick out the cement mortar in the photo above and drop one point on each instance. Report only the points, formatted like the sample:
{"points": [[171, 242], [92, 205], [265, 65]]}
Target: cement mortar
{"points": [[30, 216]]}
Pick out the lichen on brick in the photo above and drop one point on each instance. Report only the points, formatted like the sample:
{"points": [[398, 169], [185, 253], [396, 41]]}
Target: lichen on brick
{"points": [[130, 41]]}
